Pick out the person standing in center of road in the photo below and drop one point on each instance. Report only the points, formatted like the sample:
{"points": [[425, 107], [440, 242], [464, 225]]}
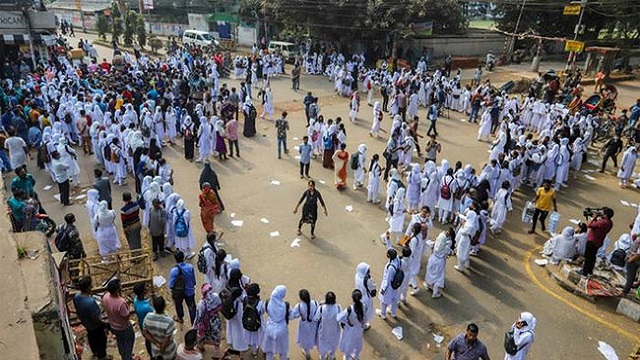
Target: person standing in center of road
{"points": [[305, 157], [341, 159], [433, 117], [611, 149], [130, 218], [523, 336], [282, 126], [466, 346], [545, 198], [311, 196], [295, 76]]}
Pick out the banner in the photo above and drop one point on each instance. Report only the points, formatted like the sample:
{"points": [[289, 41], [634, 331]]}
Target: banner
{"points": [[575, 46], [147, 4], [422, 28], [571, 10]]}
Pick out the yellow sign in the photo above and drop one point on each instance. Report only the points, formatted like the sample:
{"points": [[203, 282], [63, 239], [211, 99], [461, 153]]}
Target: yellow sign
{"points": [[575, 46], [571, 10]]}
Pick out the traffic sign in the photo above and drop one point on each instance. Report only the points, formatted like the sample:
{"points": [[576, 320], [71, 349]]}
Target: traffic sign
{"points": [[571, 10]]}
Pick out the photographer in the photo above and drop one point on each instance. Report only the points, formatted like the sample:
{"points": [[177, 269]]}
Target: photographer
{"points": [[598, 228]]}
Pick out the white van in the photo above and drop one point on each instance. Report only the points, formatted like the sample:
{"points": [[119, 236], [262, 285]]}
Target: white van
{"points": [[198, 37], [287, 49]]}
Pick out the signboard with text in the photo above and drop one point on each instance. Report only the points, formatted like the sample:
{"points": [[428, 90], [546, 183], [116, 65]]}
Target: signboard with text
{"points": [[571, 10], [575, 46]]}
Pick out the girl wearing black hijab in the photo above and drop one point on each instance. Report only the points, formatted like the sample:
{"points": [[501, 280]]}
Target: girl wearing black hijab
{"points": [[208, 175]]}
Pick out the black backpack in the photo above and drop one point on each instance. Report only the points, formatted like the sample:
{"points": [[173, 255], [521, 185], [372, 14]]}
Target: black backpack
{"points": [[201, 264], [179, 284], [398, 278], [251, 319], [510, 346], [228, 297], [62, 239], [354, 161], [618, 257]]}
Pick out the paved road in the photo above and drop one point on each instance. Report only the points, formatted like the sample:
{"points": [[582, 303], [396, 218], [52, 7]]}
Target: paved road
{"points": [[501, 284]]}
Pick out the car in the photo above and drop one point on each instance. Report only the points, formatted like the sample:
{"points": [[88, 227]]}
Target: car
{"points": [[198, 37], [286, 49]]}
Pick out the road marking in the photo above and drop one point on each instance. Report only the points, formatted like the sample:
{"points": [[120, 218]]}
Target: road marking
{"points": [[527, 266]]}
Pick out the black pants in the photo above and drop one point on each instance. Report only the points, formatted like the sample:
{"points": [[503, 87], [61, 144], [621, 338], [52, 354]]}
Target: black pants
{"points": [[385, 102], [98, 342], [590, 253], [432, 127], [606, 158], [390, 164], [191, 306], [157, 243], [313, 226], [231, 145], [542, 215], [403, 113], [63, 187], [632, 272], [304, 168], [495, 124]]}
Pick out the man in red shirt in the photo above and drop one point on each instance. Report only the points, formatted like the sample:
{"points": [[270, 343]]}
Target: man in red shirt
{"points": [[599, 227]]}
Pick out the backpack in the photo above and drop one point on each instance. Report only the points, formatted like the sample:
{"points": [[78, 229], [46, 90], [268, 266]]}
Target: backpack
{"points": [[459, 191], [475, 239], [201, 264], [618, 257], [251, 319], [355, 161], [115, 157], [62, 239], [228, 297], [510, 346], [398, 278], [106, 151], [445, 190], [179, 284], [180, 226]]}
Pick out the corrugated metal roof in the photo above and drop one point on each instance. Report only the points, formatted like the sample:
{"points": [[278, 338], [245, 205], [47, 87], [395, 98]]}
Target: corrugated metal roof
{"points": [[93, 6]]}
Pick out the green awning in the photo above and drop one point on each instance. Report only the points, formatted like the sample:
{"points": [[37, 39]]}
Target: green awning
{"points": [[226, 17]]}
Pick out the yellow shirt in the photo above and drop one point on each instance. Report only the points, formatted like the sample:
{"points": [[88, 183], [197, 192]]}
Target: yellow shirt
{"points": [[545, 199], [119, 103]]}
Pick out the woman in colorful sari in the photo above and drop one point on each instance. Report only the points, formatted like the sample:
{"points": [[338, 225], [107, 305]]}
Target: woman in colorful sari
{"points": [[209, 207], [341, 159], [208, 324]]}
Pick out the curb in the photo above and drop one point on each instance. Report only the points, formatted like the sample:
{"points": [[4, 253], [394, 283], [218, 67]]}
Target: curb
{"points": [[568, 286]]}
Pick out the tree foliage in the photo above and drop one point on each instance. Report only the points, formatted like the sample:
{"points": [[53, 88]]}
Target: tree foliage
{"points": [[141, 31], [359, 19], [613, 21], [102, 25], [130, 22], [116, 23]]}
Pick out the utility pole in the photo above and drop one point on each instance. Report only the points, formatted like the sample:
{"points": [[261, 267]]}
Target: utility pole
{"points": [[27, 17], [515, 31], [571, 62]]}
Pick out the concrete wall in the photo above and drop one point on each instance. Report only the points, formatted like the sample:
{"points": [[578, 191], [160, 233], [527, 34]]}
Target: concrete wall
{"points": [[247, 35], [473, 44]]}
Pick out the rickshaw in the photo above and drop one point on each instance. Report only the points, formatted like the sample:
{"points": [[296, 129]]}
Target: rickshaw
{"points": [[605, 102]]}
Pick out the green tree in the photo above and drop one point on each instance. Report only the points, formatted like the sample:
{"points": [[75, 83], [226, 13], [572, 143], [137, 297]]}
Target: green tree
{"points": [[116, 23], [130, 23], [102, 25], [141, 32]]}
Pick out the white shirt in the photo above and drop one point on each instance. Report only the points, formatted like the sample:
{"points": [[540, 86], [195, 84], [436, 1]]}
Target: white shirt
{"points": [[60, 170]]}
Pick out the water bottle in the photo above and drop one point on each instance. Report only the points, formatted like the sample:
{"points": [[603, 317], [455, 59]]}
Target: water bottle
{"points": [[554, 219]]}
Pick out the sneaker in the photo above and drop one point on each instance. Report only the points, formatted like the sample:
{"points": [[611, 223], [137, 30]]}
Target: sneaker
{"points": [[458, 268], [379, 313], [414, 291]]}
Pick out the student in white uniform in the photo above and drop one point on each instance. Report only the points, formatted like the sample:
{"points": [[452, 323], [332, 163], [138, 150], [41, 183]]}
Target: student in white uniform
{"points": [[305, 310], [275, 340], [367, 287], [388, 296], [352, 318], [328, 327], [373, 187], [436, 265]]}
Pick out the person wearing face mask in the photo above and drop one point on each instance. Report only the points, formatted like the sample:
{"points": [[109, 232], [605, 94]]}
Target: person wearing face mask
{"points": [[523, 337]]}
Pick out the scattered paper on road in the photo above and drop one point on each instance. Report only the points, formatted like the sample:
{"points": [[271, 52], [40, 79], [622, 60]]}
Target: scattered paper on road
{"points": [[541, 262], [589, 177], [264, 220], [588, 171], [232, 215], [625, 203], [322, 182], [607, 350], [297, 157], [80, 197], [237, 223], [295, 139], [275, 182], [349, 208], [275, 234], [296, 148], [48, 187], [296, 242], [397, 331], [159, 281], [438, 339], [593, 162], [633, 205], [574, 221], [57, 197]]}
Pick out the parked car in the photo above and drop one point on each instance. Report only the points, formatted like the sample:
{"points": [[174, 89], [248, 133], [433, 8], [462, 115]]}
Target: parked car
{"points": [[198, 37], [287, 49]]}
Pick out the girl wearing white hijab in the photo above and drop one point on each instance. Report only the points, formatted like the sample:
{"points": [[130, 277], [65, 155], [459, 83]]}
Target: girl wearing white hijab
{"points": [[430, 185], [436, 265], [92, 206], [204, 140], [170, 200], [151, 193], [105, 230], [396, 220], [377, 118], [353, 320], [328, 327], [184, 243], [170, 119], [276, 330], [392, 187], [463, 239], [501, 207], [373, 187], [414, 182], [523, 335], [359, 173], [68, 156], [367, 287], [565, 246]]}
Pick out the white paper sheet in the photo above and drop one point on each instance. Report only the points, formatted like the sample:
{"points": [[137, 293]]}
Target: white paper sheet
{"points": [[589, 177], [48, 187], [264, 220], [574, 221], [297, 157], [607, 351], [322, 182], [541, 262], [438, 339], [237, 223], [275, 234], [57, 197], [296, 148], [232, 215], [625, 203], [633, 205], [296, 242], [159, 281], [275, 182], [398, 332], [295, 139], [349, 208], [80, 197]]}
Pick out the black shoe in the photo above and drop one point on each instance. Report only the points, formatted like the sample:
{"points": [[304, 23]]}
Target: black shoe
{"points": [[168, 250]]}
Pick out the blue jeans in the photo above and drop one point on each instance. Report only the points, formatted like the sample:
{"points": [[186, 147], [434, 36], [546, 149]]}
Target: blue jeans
{"points": [[474, 113], [125, 339], [282, 142]]}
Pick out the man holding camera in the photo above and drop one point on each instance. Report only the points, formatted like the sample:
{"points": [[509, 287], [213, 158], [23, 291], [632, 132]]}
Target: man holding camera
{"points": [[599, 227]]}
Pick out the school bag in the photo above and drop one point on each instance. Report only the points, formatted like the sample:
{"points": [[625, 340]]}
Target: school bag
{"points": [[181, 227], [354, 161], [398, 278], [251, 319], [179, 284], [229, 307], [445, 190], [201, 264], [510, 346], [62, 239], [618, 257]]}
